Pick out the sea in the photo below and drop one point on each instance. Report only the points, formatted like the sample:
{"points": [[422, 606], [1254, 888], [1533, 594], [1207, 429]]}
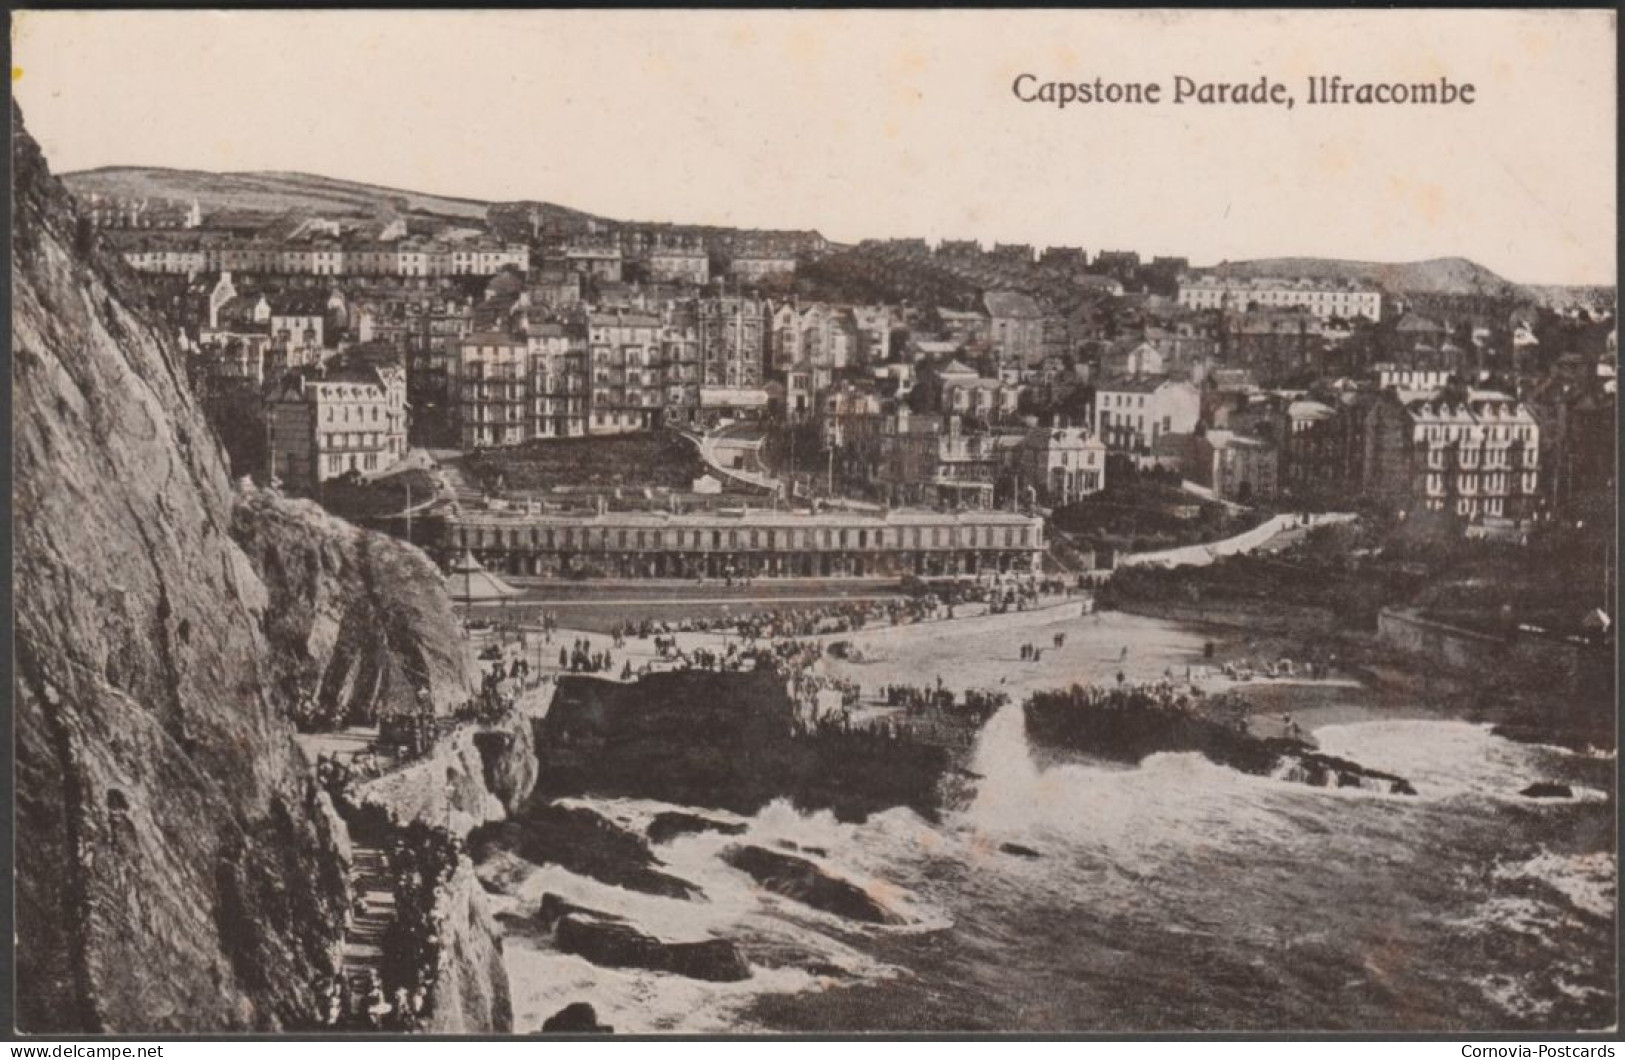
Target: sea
{"points": [[1074, 895]]}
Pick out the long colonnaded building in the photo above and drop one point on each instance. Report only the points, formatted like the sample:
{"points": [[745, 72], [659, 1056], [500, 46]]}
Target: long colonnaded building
{"points": [[741, 542]]}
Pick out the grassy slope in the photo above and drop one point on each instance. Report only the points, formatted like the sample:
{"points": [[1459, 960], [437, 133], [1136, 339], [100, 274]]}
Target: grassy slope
{"points": [[631, 461], [1434, 276], [261, 191]]}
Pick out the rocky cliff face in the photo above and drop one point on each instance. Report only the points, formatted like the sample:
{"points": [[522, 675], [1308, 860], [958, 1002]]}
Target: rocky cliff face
{"points": [[177, 871], [471, 984], [472, 777], [356, 620]]}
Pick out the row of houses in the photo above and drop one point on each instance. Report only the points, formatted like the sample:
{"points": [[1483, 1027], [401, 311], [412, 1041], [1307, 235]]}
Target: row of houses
{"points": [[601, 373], [682, 263], [1407, 439], [141, 212], [635, 241], [410, 257], [1472, 453], [933, 460], [1324, 298]]}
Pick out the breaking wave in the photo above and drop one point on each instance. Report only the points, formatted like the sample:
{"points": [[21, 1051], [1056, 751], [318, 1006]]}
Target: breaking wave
{"points": [[1090, 887]]}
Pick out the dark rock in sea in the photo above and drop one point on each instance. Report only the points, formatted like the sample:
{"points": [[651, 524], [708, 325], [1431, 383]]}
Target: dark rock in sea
{"points": [[728, 741], [1298, 764], [714, 960], [582, 841], [553, 909], [1584, 733], [792, 845], [578, 1017], [801, 880], [613, 943], [670, 824], [1128, 725], [1546, 789], [1019, 851]]}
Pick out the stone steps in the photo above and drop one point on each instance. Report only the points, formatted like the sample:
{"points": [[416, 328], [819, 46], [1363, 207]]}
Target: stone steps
{"points": [[364, 930]]}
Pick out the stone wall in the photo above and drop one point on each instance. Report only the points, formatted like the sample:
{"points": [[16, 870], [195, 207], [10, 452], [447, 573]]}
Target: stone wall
{"points": [[1562, 667]]}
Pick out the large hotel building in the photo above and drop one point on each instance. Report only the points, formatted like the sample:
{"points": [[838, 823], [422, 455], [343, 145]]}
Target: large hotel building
{"points": [[759, 543], [1344, 299]]}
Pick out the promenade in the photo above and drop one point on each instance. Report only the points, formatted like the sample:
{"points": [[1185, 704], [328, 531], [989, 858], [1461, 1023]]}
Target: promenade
{"points": [[1247, 541]]}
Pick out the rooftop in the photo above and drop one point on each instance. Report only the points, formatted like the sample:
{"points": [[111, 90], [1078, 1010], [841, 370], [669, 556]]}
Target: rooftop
{"points": [[1143, 384]]}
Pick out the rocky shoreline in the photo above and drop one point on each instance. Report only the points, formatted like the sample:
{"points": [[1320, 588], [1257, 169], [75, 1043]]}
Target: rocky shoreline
{"points": [[1128, 724], [1518, 706], [726, 741]]}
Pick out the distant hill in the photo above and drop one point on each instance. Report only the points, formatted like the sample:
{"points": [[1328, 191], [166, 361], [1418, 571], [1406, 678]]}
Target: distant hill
{"points": [[1435, 276], [1559, 297], [268, 192], [278, 192], [306, 193]]}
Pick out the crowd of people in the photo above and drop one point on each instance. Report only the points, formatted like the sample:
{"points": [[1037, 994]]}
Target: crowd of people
{"points": [[841, 726], [396, 995], [581, 658], [1164, 695], [794, 622], [364, 1005], [915, 699], [339, 772], [422, 859]]}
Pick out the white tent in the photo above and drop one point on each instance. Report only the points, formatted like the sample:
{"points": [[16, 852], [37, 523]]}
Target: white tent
{"points": [[470, 583]]}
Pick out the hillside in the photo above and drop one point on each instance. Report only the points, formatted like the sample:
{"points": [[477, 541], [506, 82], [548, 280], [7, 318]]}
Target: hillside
{"points": [[1434, 276], [278, 192], [269, 192], [1558, 296]]}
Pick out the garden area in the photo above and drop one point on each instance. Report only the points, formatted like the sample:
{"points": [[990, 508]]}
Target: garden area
{"points": [[1146, 512], [366, 503], [1552, 582], [662, 459], [1354, 569]]}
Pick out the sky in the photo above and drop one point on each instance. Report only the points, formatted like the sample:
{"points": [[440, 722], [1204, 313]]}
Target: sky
{"points": [[884, 124]]}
